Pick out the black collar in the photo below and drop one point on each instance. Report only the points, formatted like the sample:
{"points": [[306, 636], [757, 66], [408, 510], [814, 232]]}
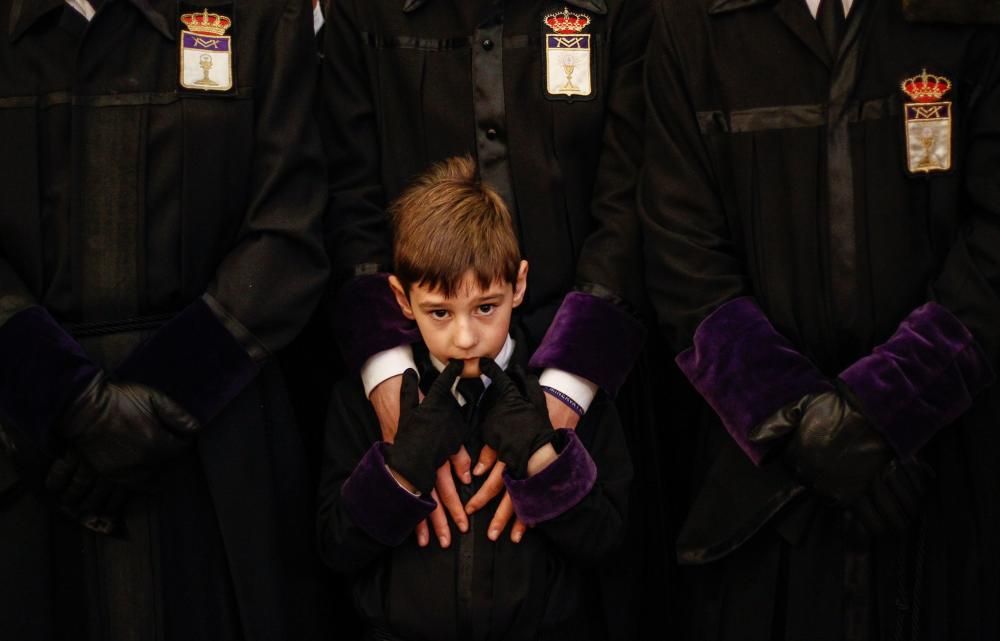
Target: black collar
{"points": [[599, 7], [25, 13]]}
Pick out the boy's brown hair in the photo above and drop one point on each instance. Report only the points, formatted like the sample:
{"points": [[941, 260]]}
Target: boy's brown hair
{"points": [[448, 222]]}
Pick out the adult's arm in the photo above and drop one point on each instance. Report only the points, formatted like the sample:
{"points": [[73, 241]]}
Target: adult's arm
{"points": [[596, 335], [267, 285], [729, 350]]}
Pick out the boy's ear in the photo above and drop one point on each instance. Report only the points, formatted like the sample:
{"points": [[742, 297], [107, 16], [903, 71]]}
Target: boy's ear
{"points": [[401, 299], [521, 284]]}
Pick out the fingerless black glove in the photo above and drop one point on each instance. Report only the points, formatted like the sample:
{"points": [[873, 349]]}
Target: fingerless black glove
{"points": [[429, 432], [515, 422]]}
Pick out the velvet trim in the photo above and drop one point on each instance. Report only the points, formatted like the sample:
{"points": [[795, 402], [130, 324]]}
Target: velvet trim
{"points": [[368, 320], [42, 369], [746, 370], [592, 338], [558, 487], [920, 380], [377, 504], [194, 360]]}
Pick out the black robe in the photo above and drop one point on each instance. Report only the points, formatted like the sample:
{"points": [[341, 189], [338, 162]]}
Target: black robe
{"points": [[538, 589], [124, 198], [777, 171]]}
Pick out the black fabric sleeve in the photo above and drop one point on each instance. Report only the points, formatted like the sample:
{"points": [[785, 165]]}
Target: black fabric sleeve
{"points": [[357, 232], [273, 277], [610, 261], [969, 282], [692, 266]]}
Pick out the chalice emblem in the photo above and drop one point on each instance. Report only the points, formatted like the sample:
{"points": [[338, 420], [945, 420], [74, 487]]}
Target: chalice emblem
{"points": [[569, 66], [927, 140], [205, 62]]}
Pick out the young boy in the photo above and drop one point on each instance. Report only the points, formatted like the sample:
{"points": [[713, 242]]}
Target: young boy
{"points": [[458, 274]]}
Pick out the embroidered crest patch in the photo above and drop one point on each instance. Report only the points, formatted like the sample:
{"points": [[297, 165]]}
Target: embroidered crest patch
{"points": [[206, 52], [928, 122], [567, 54]]}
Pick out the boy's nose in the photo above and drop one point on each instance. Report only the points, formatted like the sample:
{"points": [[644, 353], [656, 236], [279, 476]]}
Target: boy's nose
{"points": [[464, 338]]}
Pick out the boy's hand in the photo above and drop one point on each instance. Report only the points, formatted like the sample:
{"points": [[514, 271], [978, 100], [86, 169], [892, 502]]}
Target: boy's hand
{"points": [[516, 422], [429, 432]]}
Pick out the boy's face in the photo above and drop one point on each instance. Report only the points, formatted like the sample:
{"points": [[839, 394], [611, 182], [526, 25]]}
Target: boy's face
{"points": [[471, 324]]}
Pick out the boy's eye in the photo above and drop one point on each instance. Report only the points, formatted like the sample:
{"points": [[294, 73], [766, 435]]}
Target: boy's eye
{"points": [[487, 308], [439, 314]]}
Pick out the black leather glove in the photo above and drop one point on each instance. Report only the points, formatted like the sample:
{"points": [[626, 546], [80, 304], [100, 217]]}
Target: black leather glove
{"points": [[834, 449], [82, 495], [429, 432], [515, 421], [126, 431]]}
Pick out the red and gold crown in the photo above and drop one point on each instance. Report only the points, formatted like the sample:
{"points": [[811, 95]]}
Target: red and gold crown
{"points": [[566, 22], [205, 23], [926, 87]]}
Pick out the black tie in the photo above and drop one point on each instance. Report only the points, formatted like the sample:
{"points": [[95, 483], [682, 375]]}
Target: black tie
{"points": [[470, 389], [831, 21]]}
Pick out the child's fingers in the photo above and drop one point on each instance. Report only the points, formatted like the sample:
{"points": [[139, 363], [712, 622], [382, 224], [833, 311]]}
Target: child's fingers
{"points": [[491, 488], [441, 387], [504, 511], [439, 522], [461, 461], [449, 497], [423, 534], [487, 457]]}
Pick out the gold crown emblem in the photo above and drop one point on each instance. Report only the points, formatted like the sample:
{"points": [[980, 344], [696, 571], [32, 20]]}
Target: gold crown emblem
{"points": [[209, 24], [926, 87], [566, 22]]}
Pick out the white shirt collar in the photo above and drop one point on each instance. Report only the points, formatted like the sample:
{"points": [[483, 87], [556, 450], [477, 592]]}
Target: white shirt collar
{"points": [[82, 7], [814, 6], [318, 19], [502, 359]]}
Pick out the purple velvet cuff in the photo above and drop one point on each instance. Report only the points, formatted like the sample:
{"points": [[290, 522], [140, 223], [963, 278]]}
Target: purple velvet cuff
{"points": [[376, 502], [194, 360], [921, 379], [369, 321], [592, 338], [558, 487], [746, 370], [41, 370]]}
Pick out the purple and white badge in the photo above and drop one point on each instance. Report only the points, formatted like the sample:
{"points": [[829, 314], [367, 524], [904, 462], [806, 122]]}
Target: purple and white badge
{"points": [[206, 53]]}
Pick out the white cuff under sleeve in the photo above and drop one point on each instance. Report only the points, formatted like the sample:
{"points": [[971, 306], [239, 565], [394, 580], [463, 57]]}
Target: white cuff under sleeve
{"points": [[385, 365], [576, 387]]}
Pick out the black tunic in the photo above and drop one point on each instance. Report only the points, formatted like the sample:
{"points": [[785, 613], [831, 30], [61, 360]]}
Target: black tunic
{"points": [[777, 172], [536, 589], [123, 198]]}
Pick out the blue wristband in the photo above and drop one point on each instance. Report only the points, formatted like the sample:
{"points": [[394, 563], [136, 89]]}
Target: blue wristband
{"points": [[573, 405]]}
